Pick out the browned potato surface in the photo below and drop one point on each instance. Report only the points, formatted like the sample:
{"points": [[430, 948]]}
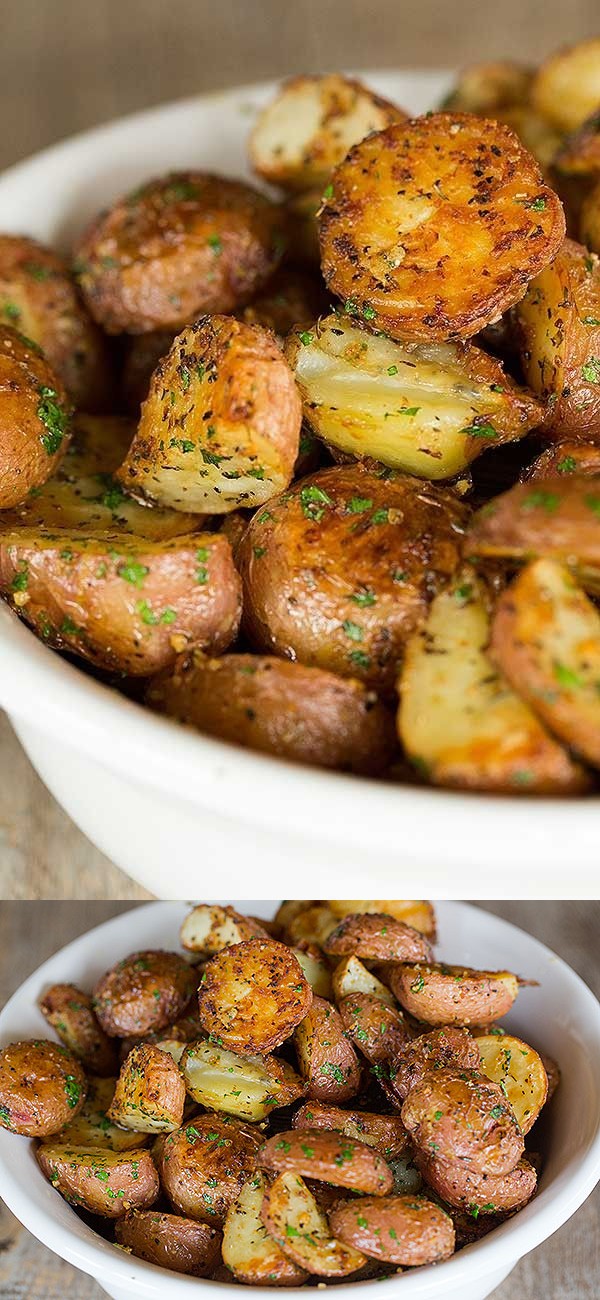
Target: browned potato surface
{"points": [[376, 936], [566, 88], [34, 418], [408, 1230], [310, 923], [91, 1127], [38, 297], [450, 248], [204, 1165], [384, 1132], [519, 1070], [350, 977], [221, 424], [150, 1093], [461, 1115], [307, 715], [292, 1216], [330, 1158], [248, 1087], [326, 1058], [453, 995], [71, 1014], [359, 554], [143, 992], [488, 1193], [108, 1183], [292, 297], [449, 1046], [557, 519], [253, 995], [180, 245], [209, 928], [170, 1241], [42, 1087], [564, 458], [419, 913], [248, 1251], [379, 1031], [485, 87]]}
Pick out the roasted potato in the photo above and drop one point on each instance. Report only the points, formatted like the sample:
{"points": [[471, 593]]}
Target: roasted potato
{"points": [[426, 408], [404, 1230], [461, 1115], [175, 1035], [220, 427], [351, 977], [326, 1058], [433, 228], [519, 1070], [150, 1092], [378, 1031], [315, 969], [71, 1014], [180, 245], [108, 1183], [546, 639], [248, 1087], [419, 914], [459, 721], [484, 1193], [377, 936], [253, 995], [42, 1087], [248, 1251], [143, 992], [91, 1127], [311, 124], [386, 1133], [35, 418], [536, 133], [564, 458], [208, 929], [449, 1046], [142, 355], [38, 297], [170, 1241], [557, 519], [453, 995], [292, 297], [310, 923], [292, 1216], [204, 1165], [329, 1157], [486, 87], [566, 88], [360, 555]]}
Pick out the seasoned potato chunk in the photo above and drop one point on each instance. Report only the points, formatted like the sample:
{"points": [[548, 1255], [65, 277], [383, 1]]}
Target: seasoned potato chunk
{"points": [[108, 1183], [419, 913], [249, 1087], [376, 936], [179, 245], [304, 714], [564, 458], [453, 245], [34, 418], [208, 929], [143, 992], [380, 1032], [42, 1087], [485, 87], [253, 995], [150, 1093], [426, 408], [557, 519], [310, 923], [91, 1127], [220, 427], [384, 1132], [453, 995], [315, 969], [248, 1251], [566, 88], [292, 1216], [170, 1241], [449, 1046], [461, 1115], [326, 1059], [488, 1193], [519, 1070], [350, 976], [360, 555], [204, 1165], [330, 1158], [406, 1230], [71, 1014], [311, 124]]}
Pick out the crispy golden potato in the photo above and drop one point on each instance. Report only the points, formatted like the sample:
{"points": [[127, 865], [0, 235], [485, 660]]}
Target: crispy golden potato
{"points": [[144, 992], [420, 914], [557, 520], [38, 297], [42, 1087], [546, 639], [170, 1241], [253, 995], [564, 458], [486, 87], [108, 1183], [386, 1133], [306, 715], [311, 124], [248, 1087], [459, 721], [328, 1156], [487, 1193], [350, 977], [180, 245], [377, 936], [461, 1115], [377, 1030], [360, 554], [315, 969], [425, 408], [566, 88], [208, 929], [434, 228], [35, 418], [150, 1092], [91, 1127], [71, 1014], [206, 1163], [142, 355], [310, 923], [302, 227], [404, 1230], [292, 297], [449, 1046], [248, 1251], [535, 132], [220, 427], [292, 1216], [519, 1070], [326, 1059], [453, 995]]}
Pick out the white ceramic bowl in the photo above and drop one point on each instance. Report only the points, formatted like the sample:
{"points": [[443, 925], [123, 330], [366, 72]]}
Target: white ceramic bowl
{"points": [[561, 1017], [152, 796]]}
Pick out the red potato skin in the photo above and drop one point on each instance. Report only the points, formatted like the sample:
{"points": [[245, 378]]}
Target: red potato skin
{"points": [[461, 1115], [204, 1165], [445, 995], [42, 1087], [558, 521], [376, 936], [170, 1241], [384, 1132], [465, 1189], [379, 1032], [328, 1157], [564, 458], [31, 447], [125, 998], [113, 1196], [448, 1046], [407, 1230], [331, 1054], [89, 1042]]}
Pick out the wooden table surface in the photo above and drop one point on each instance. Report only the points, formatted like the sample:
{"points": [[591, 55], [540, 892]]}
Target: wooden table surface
{"points": [[567, 1267]]}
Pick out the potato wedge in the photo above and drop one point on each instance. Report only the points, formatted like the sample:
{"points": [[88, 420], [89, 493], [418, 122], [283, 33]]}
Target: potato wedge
{"points": [[340, 545], [546, 639], [108, 1183], [350, 976], [287, 910], [149, 1096], [479, 1193], [305, 715], [378, 1031], [315, 969], [311, 923], [253, 995], [425, 408], [35, 418], [420, 914], [327, 1061], [170, 1241], [376, 936], [42, 1087], [519, 1070], [459, 721], [71, 1014], [406, 1230], [451, 1045], [461, 1115], [248, 1251], [311, 124], [564, 458], [180, 245], [91, 1128], [452, 246], [329, 1157], [486, 87], [144, 992], [292, 1216], [566, 88], [220, 427], [248, 1087], [208, 929], [204, 1165], [386, 1133], [453, 995]]}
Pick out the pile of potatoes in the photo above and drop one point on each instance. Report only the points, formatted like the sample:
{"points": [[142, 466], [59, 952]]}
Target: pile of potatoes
{"points": [[306, 1098], [316, 471]]}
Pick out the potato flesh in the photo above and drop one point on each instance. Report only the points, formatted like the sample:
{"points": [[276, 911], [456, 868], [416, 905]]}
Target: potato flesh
{"points": [[238, 1085], [519, 1070], [92, 1128], [350, 976], [290, 1212], [249, 1252], [208, 928], [315, 971]]}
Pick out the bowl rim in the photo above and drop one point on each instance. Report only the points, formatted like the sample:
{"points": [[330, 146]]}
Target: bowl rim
{"points": [[506, 1245]]}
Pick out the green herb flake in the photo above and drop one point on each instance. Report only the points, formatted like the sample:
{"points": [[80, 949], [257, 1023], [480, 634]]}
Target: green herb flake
{"points": [[313, 501], [591, 371], [567, 465], [305, 337], [358, 505], [54, 417], [565, 676], [541, 499], [133, 572]]}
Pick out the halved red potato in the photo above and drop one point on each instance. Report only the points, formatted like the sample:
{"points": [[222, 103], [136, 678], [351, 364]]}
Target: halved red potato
{"points": [[35, 417], [249, 1252], [451, 1045], [204, 1165], [149, 1096], [329, 1157], [71, 1014], [91, 1128], [519, 1070], [420, 914], [170, 1241], [326, 1059], [108, 1183], [462, 1115], [376, 936], [377, 1030], [309, 923], [315, 969], [209, 928], [453, 995], [253, 995], [557, 519], [483, 88], [144, 992], [351, 977], [292, 1216], [479, 1193], [247, 1087], [407, 1230], [42, 1087], [566, 87], [384, 1132], [564, 458]]}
